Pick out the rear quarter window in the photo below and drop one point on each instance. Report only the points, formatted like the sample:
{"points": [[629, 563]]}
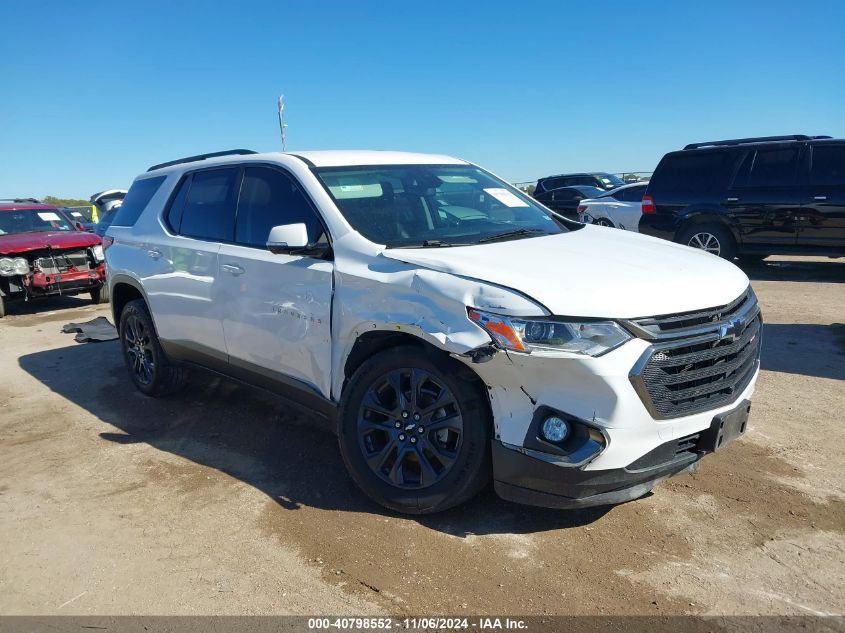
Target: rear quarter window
{"points": [[693, 173], [139, 196]]}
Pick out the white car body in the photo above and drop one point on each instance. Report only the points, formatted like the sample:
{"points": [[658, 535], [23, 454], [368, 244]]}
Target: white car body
{"points": [[293, 317], [620, 208]]}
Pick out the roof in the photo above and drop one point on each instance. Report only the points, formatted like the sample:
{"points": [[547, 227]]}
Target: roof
{"points": [[349, 158]]}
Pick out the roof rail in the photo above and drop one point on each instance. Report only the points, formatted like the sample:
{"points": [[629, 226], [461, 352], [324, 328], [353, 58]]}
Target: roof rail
{"points": [[19, 200], [191, 159], [757, 139]]}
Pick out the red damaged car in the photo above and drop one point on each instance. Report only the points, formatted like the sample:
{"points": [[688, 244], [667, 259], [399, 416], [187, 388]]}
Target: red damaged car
{"points": [[43, 254]]}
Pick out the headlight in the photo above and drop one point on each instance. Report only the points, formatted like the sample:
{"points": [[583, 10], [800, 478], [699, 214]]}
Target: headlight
{"points": [[98, 252], [21, 266], [16, 266], [592, 338]]}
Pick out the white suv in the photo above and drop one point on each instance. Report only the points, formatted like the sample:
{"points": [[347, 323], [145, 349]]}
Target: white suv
{"points": [[439, 319]]}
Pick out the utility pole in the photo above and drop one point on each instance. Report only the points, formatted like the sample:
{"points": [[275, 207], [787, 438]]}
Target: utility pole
{"points": [[282, 124]]}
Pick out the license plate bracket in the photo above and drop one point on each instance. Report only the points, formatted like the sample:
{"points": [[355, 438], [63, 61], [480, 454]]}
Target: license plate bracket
{"points": [[725, 428]]}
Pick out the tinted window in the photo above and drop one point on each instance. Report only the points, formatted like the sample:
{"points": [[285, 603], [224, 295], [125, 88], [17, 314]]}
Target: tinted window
{"points": [[828, 165], [174, 213], [553, 183], [693, 173], [773, 167], [140, 194], [210, 206], [567, 194], [270, 198], [631, 194]]}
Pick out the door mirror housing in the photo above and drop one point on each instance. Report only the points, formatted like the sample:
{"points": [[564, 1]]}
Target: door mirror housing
{"points": [[287, 238]]}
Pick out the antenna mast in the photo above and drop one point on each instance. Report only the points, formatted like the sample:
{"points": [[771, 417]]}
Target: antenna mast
{"points": [[282, 124]]}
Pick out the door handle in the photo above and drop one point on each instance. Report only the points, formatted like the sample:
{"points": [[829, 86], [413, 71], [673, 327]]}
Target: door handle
{"points": [[154, 253], [820, 198], [234, 269], [732, 200]]}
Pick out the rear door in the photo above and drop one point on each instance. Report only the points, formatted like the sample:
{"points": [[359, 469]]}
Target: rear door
{"points": [[822, 221], [276, 307], [182, 281], [765, 198]]}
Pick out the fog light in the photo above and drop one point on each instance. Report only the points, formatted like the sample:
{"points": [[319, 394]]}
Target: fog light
{"points": [[555, 429]]}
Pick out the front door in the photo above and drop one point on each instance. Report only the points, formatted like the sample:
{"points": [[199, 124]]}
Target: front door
{"points": [[276, 308]]}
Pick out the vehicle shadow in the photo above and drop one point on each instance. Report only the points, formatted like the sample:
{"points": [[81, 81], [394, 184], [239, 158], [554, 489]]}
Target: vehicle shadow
{"points": [[804, 348], [47, 304], [253, 437], [812, 270]]}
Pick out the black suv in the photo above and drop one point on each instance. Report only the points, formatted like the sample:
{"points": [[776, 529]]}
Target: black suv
{"points": [[598, 179], [751, 197], [565, 200]]}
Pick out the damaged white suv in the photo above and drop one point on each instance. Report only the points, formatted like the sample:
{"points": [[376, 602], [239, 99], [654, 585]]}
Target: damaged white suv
{"points": [[448, 327]]}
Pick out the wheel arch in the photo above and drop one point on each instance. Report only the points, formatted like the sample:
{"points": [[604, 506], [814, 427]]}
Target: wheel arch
{"points": [[124, 289], [707, 215]]}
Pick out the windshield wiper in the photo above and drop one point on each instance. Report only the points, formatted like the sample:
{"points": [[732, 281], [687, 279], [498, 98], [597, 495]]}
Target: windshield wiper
{"points": [[510, 234], [431, 244]]}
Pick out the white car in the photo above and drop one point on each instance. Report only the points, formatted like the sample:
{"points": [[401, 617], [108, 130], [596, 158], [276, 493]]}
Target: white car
{"points": [[620, 208], [433, 315]]}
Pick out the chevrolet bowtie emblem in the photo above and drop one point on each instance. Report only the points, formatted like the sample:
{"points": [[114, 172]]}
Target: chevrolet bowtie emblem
{"points": [[732, 329]]}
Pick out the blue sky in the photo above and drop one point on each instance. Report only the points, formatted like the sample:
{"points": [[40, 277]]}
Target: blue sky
{"points": [[92, 93]]}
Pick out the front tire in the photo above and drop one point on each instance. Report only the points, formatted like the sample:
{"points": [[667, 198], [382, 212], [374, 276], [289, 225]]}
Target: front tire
{"points": [[149, 368], [711, 238], [414, 433]]}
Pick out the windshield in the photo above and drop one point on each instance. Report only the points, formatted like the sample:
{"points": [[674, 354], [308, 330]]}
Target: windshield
{"points": [[32, 221], [434, 205], [609, 180]]}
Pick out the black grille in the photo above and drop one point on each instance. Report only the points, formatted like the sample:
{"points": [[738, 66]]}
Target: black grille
{"points": [[704, 371], [63, 262]]}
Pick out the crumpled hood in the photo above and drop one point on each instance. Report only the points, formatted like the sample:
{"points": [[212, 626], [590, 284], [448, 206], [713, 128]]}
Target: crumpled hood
{"points": [[594, 272], [25, 242]]}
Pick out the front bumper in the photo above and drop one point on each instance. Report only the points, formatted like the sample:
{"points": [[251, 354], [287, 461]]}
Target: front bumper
{"points": [[41, 284], [521, 478]]}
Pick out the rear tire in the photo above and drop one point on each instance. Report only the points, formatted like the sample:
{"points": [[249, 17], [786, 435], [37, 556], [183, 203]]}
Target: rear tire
{"points": [[100, 295], [2, 307], [413, 432], [604, 222], [149, 368], [712, 238]]}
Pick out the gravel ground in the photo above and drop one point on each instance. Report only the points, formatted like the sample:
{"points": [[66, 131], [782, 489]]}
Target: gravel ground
{"points": [[222, 501]]}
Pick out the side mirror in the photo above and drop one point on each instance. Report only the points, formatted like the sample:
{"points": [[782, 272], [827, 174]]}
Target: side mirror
{"points": [[287, 238]]}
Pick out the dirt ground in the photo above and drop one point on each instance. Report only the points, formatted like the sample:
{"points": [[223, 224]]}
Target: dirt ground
{"points": [[222, 501]]}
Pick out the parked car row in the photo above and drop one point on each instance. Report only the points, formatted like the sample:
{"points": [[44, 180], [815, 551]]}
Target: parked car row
{"points": [[745, 198]]}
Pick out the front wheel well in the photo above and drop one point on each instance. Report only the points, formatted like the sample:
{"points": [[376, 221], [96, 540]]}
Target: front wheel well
{"points": [[371, 343]]}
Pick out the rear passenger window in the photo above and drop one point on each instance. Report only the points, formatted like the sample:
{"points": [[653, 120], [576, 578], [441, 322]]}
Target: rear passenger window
{"points": [[773, 168], [270, 198], [139, 196], [828, 165], [209, 211]]}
